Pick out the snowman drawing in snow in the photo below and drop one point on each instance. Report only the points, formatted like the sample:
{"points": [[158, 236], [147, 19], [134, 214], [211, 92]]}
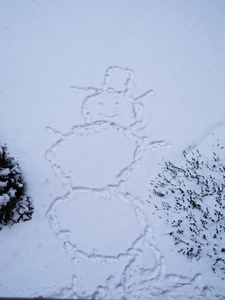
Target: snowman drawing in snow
{"points": [[93, 161]]}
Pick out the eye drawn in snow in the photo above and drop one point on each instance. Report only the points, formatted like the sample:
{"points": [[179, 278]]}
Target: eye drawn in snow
{"points": [[93, 161]]}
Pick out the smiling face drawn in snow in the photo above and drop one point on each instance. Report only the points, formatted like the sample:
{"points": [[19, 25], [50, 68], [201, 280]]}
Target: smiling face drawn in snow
{"points": [[113, 102], [110, 107]]}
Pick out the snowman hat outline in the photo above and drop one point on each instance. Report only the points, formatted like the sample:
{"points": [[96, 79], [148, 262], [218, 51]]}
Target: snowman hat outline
{"points": [[128, 82]]}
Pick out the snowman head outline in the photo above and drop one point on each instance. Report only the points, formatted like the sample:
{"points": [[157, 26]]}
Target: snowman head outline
{"points": [[113, 102]]}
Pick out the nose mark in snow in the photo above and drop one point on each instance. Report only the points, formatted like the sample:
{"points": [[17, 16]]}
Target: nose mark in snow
{"points": [[76, 217]]}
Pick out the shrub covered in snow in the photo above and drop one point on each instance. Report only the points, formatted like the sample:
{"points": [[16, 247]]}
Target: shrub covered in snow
{"points": [[193, 205], [14, 204]]}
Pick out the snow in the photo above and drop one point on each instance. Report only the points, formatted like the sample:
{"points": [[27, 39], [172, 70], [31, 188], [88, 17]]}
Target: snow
{"points": [[93, 96], [5, 172], [3, 184], [12, 192], [4, 198]]}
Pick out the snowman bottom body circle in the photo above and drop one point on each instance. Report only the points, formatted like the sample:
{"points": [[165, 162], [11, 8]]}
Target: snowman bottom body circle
{"points": [[105, 232], [96, 224]]}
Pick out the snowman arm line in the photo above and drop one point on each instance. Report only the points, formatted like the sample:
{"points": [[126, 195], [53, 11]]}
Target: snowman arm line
{"points": [[51, 130], [145, 94], [85, 88], [62, 136]]}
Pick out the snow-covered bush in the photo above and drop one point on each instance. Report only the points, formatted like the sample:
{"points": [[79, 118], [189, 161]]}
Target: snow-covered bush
{"points": [[193, 205], [15, 205]]}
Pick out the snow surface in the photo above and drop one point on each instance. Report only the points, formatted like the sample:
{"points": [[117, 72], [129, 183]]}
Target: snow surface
{"points": [[5, 172], [93, 96]]}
